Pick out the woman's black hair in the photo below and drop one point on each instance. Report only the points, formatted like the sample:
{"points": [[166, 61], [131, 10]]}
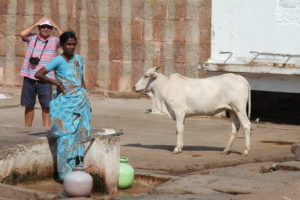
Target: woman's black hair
{"points": [[65, 36]]}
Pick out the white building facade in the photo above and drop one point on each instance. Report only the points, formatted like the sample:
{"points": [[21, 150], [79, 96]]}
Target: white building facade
{"points": [[259, 39]]}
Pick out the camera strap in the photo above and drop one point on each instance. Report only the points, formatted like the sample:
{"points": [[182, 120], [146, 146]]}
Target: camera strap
{"points": [[34, 47]]}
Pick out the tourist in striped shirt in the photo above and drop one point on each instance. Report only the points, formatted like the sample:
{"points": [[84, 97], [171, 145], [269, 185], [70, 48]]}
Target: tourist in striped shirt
{"points": [[41, 48]]}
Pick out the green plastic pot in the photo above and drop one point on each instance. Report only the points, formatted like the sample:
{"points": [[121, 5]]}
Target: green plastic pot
{"points": [[126, 174]]}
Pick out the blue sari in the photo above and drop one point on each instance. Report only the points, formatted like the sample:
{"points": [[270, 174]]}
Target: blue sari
{"points": [[69, 112]]}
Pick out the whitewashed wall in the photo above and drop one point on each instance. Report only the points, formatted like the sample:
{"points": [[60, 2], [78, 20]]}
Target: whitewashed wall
{"points": [[241, 26]]}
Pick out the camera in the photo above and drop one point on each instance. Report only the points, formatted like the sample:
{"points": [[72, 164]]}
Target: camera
{"points": [[34, 60]]}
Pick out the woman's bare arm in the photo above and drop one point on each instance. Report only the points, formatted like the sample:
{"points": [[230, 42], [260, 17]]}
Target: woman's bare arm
{"points": [[41, 76]]}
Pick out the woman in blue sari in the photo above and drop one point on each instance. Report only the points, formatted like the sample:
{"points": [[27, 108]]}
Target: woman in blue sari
{"points": [[70, 107]]}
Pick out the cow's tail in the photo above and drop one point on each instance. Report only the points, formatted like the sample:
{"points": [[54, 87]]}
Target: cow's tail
{"points": [[249, 101]]}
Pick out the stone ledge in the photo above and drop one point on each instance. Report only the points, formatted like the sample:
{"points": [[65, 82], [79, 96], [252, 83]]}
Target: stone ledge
{"points": [[31, 155], [245, 68]]}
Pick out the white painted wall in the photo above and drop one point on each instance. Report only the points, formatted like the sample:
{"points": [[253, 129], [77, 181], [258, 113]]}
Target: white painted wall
{"points": [[241, 26]]}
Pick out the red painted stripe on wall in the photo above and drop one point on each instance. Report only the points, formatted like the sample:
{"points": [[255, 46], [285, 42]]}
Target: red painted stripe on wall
{"points": [[137, 40], [38, 10], [20, 7], [54, 12], [180, 36], [205, 33], [77, 26], [20, 45], [159, 18], [3, 12], [114, 43], [93, 42], [71, 20]]}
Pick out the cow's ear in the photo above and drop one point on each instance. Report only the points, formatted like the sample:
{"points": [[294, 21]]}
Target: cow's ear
{"points": [[157, 68], [153, 75]]}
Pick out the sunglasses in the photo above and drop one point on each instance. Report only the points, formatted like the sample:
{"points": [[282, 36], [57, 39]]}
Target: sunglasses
{"points": [[46, 27]]}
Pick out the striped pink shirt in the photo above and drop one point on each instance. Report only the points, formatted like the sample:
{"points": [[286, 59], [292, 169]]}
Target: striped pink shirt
{"points": [[28, 69]]}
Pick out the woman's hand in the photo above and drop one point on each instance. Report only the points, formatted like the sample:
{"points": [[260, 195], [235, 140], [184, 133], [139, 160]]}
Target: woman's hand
{"points": [[60, 87]]}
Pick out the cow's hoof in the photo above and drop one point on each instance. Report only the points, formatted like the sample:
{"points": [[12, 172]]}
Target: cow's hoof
{"points": [[177, 151], [245, 153], [226, 152]]}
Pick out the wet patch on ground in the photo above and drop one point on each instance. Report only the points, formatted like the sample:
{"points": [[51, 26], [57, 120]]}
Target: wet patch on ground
{"points": [[142, 184]]}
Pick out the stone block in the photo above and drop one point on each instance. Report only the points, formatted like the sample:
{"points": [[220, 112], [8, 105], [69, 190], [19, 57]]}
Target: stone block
{"points": [[38, 9], [192, 52], [2, 46], [137, 71], [127, 54], [93, 28], [102, 162], [115, 50], [114, 29], [125, 84], [115, 68], [193, 9], [103, 50], [3, 7], [3, 32], [26, 162], [103, 9], [181, 31], [159, 10], [179, 51], [91, 66], [20, 24], [193, 30], [20, 49], [103, 75], [20, 7], [137, 51], [126, 76], [180, 68], [115, 8], [180, 9], [137, 9], [158, 30], [93, 49], [137, 30], [92, 8]]}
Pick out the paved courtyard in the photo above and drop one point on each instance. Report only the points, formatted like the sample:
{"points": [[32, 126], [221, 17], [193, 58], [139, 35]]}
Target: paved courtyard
{"points": [[200, 171]]}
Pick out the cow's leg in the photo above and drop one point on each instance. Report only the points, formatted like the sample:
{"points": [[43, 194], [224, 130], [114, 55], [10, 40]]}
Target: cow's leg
{"points": [[245, 122], [179, 131], [235, 124]]}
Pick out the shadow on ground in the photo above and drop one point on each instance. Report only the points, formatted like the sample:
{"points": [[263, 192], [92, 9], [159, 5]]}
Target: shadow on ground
{"points": [[171, 147]]}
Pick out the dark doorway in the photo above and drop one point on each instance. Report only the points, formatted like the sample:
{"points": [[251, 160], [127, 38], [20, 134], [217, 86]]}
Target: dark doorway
{"points": [[275, 107]]}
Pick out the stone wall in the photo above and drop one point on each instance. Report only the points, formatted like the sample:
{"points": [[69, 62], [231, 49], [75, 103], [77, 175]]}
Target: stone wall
{"points": [[118, 38]]}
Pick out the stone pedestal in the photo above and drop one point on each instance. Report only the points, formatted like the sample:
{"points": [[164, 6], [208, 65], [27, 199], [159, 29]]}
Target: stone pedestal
{"points": [[102, 162]]}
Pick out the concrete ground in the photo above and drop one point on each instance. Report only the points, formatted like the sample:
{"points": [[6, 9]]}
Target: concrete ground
{"points": [[201, 171]]}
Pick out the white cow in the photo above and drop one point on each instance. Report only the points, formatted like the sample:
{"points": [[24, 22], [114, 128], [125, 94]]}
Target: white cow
{"points": [[182, 97]]}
